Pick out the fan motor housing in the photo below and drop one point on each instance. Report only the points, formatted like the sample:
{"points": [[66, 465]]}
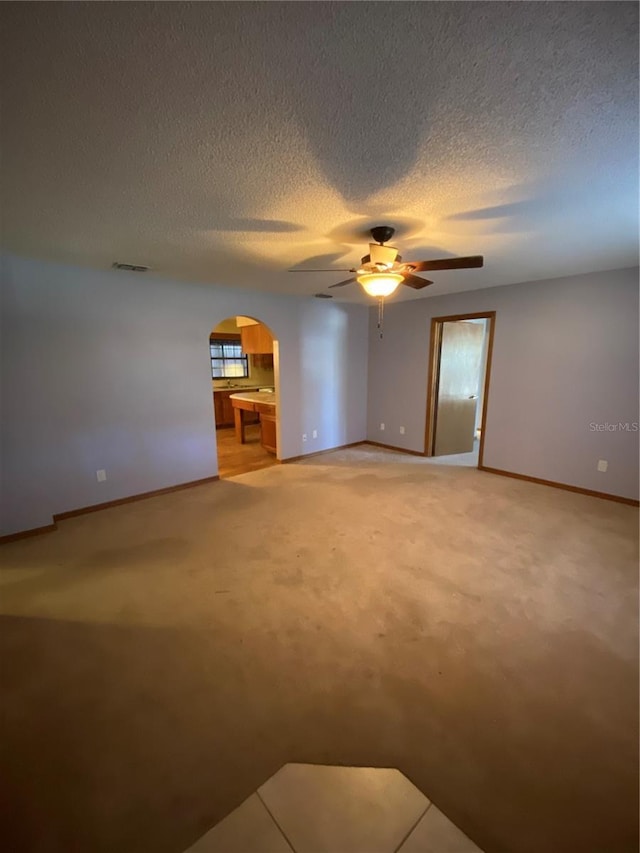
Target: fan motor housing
{"points": [[382, 233]]}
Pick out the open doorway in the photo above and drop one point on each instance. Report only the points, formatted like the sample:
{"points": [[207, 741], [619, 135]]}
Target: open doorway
{"points": [[457, 394], [244, 370]]}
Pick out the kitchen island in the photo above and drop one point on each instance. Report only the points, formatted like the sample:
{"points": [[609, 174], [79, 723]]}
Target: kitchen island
{"points": [[262, 402], [223, 409]]}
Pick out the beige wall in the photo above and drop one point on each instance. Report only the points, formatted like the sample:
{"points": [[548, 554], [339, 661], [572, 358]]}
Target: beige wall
{"points": [[228, 327]]}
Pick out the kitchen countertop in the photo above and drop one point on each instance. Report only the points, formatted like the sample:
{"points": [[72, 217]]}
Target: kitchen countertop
{"points": [[237, 388], [255, 397]]}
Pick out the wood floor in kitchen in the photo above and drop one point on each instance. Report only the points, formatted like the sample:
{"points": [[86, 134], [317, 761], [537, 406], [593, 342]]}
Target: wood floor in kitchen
{"points": [[235, 458]]}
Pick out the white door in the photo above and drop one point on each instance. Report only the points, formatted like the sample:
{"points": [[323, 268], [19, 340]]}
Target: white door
{"points": [[458, 386]]}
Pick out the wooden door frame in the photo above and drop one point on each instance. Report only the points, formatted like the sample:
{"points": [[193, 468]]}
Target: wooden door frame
{"points": [[435, 348]]}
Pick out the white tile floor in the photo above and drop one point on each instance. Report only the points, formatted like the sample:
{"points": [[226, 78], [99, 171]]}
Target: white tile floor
{"points": [[309, 808]]}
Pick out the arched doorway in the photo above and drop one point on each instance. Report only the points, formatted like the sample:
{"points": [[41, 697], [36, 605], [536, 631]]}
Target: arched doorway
{"points": [[244, 369]]}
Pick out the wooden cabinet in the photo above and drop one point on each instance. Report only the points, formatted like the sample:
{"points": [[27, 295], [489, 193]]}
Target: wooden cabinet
{"points": [[223, 409], [263, 361], [219, 399], [256, 339], [268, 429]]}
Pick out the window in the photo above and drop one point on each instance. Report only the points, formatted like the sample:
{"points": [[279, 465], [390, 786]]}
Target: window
{"points": [[227, 359]]}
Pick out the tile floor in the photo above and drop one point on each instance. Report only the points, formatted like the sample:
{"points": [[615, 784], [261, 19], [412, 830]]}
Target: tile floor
{"points": [[309, 808]]}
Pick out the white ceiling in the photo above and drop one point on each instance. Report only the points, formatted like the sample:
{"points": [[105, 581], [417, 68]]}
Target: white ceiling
{"points": [[227, 142]]}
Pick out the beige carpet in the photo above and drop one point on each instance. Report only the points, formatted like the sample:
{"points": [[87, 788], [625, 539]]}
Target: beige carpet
{"points": [[162, 659]]}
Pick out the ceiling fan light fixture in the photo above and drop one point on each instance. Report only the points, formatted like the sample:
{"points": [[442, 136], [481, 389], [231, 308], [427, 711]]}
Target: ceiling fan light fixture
{"points": [[380, 284]]}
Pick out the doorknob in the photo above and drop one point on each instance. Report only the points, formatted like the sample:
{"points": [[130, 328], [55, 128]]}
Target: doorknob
{"points": [[473, 397]]}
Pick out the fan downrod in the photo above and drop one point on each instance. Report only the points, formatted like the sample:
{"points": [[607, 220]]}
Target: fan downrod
{"points": [[382, 233]]}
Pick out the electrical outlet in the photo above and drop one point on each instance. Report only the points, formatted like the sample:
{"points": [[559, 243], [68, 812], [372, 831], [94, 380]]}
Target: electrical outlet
{"points": [[602, 465], [101, 475], [304, 436], [314, 434], [401, 430], [382, 427]]}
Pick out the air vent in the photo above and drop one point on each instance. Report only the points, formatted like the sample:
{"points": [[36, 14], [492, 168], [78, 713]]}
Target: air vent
{"points": [[323, 296], [130, 267]]}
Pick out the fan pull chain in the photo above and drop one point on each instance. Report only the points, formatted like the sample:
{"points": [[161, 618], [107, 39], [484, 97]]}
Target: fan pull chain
{"points": [[380, 314]]}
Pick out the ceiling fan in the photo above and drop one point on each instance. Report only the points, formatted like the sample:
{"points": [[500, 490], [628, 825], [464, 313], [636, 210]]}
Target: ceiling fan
{"points": [[382, 270]]}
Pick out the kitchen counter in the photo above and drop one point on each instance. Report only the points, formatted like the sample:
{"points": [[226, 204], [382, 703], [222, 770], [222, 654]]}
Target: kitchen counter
{"points": [[255, 396], [239, 388]]}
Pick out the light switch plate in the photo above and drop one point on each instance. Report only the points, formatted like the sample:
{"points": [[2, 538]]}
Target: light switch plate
{"points": [[602, 465]]}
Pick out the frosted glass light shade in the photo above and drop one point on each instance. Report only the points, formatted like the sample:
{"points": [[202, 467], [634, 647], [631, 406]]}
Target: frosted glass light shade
{"points": [[380, 283]]}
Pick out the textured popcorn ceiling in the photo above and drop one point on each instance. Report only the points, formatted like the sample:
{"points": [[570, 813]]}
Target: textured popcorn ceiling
{"points": [[227, 142]]}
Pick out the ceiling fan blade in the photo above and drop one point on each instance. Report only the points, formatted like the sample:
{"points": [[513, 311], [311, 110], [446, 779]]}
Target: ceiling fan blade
{"points": [[342, 283], [471, 262], [415, 281], [333, 269]]}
